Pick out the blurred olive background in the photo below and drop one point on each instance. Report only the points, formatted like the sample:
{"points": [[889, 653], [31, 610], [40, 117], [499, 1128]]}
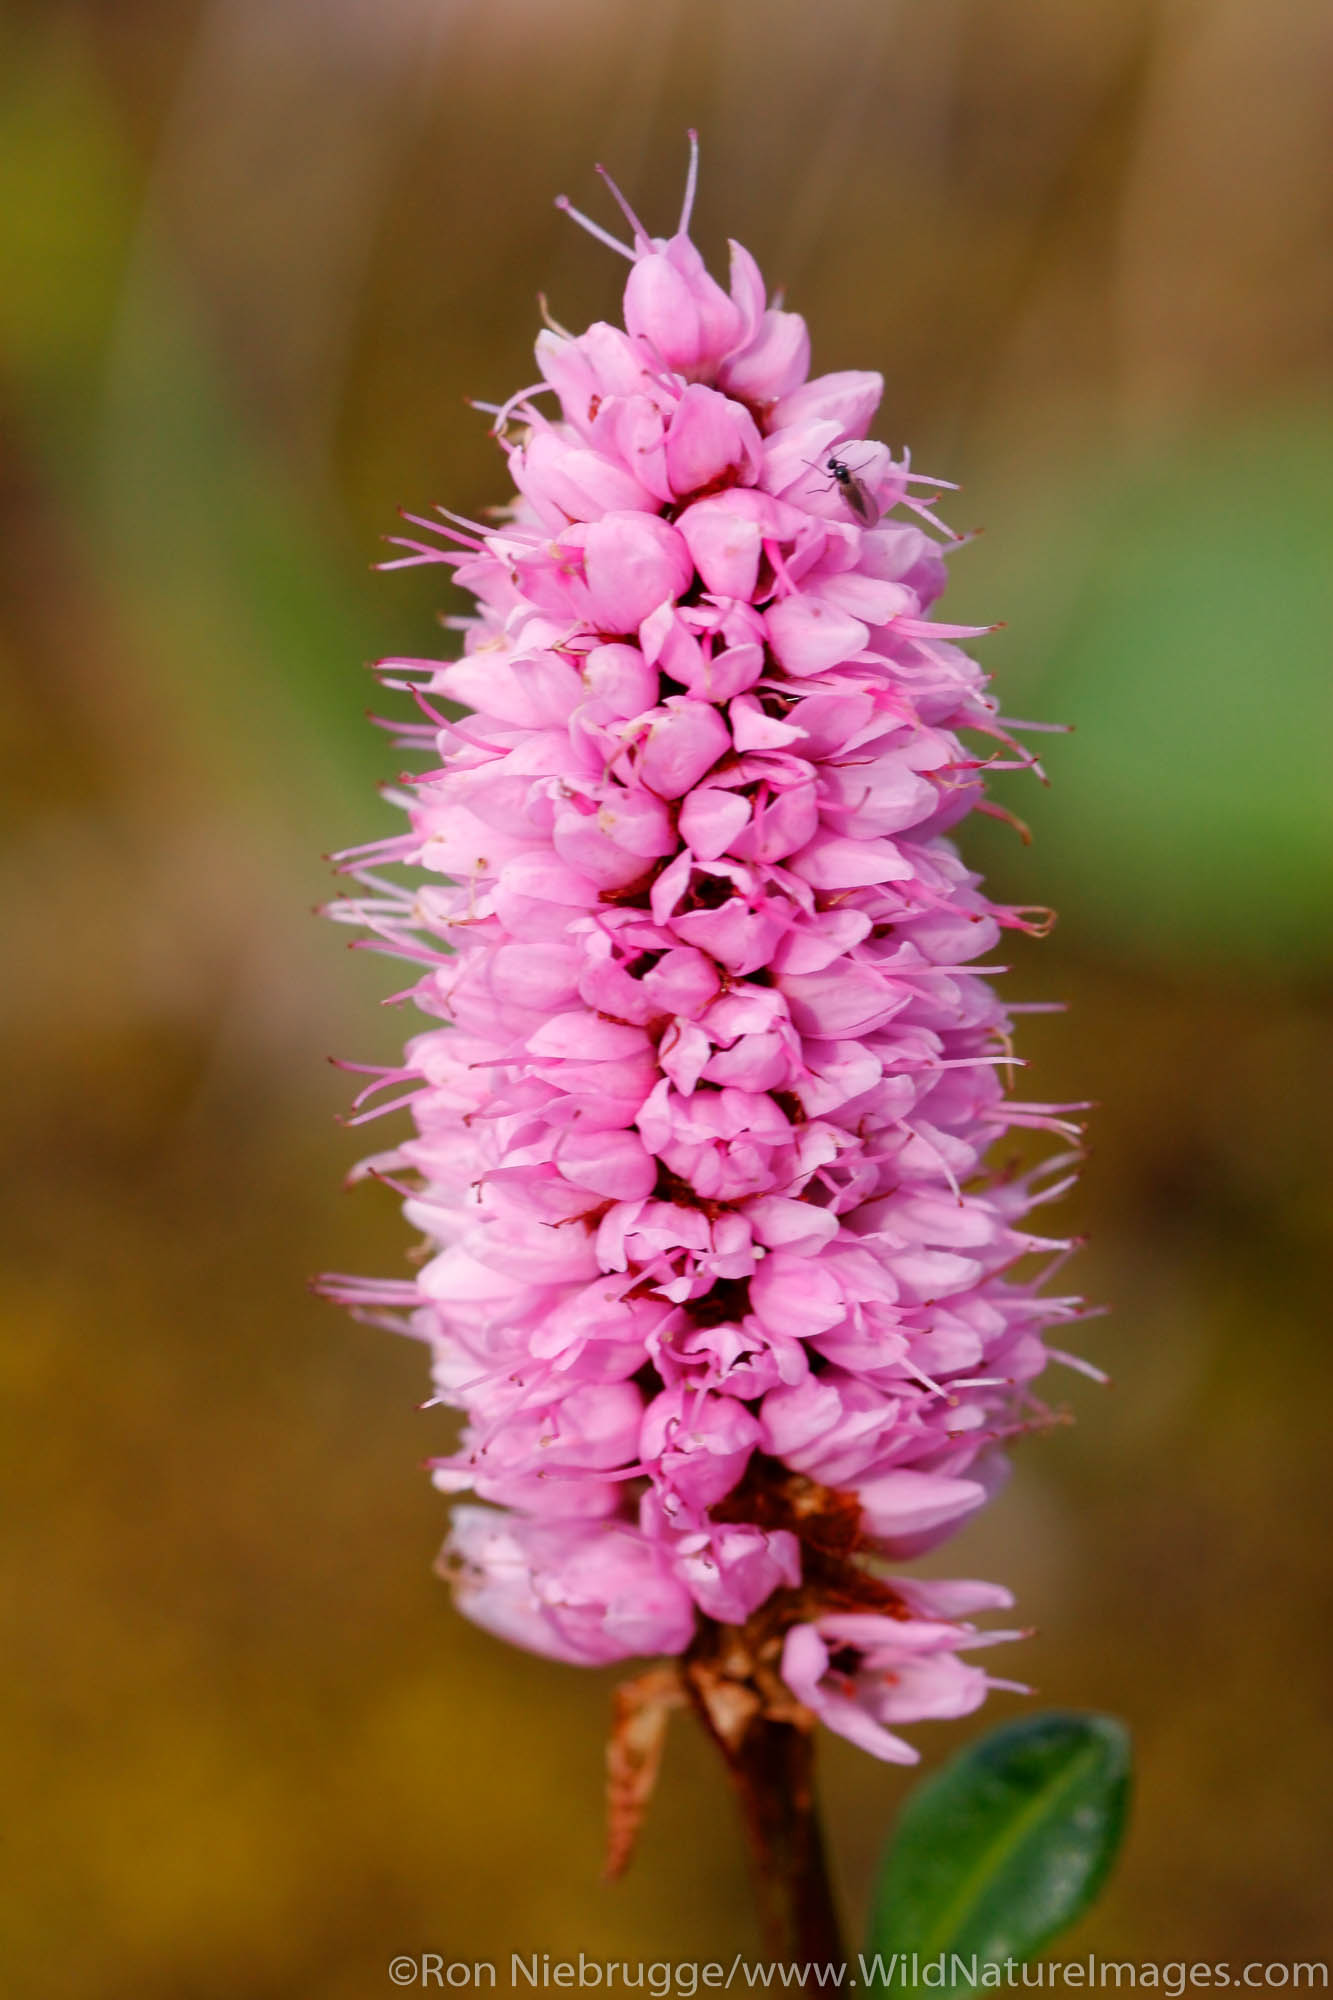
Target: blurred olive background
{"points": [[255, 255]]}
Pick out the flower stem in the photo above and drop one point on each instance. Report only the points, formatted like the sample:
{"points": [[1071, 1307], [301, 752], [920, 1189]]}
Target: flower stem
{"points": [[771, 1765]]}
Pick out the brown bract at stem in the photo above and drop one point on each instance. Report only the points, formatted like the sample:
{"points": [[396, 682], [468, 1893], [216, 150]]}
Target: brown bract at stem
{"points": [[639, 1712]]}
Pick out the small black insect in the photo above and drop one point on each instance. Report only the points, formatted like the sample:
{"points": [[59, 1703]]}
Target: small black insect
{"points": [[860, 500]]}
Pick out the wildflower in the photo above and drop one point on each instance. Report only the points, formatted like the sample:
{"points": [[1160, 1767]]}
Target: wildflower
{"points": [[859, 1672], [718, 1276]]}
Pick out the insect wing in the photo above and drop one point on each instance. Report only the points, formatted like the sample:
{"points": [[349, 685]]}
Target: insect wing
{"points": [[860, 500]]}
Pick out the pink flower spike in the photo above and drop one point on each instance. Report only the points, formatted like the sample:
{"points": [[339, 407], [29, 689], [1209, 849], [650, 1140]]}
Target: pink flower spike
{"points": [[729, 1298]]}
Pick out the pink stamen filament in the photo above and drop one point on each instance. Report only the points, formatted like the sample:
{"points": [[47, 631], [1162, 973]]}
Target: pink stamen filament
{"points": [[642, 239]]}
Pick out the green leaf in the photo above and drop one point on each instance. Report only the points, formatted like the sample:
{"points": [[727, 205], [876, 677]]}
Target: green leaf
{"points": [[1190, 814], [1005, 1847]]}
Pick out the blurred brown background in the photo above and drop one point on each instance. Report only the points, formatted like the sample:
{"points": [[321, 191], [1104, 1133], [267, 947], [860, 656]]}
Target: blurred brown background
{"points": [[255, 253]]}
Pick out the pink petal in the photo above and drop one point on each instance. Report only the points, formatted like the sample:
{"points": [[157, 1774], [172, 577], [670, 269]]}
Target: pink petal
{"points": [[848, 399], [710, 435], [807, 637], [710, 819], [685, 739], [634, 562]]}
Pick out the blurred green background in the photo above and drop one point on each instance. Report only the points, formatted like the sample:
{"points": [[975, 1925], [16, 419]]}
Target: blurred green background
{"points": [[255, 253]]}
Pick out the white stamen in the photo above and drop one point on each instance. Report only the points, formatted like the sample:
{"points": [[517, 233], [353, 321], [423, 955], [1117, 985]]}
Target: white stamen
{"points": [[1082, 1367], [691, 184], [567, 207], [519, 396]]}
